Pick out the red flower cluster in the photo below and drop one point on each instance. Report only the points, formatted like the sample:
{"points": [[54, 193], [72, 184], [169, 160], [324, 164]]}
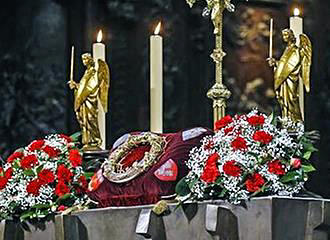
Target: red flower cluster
{"points": [[46, 176], [211, 171], [239, 143], [254, 182], [75, 158], [29, 161], [256, 120], [33, 187], [14, 156], [36, 145], [61, 189], [83, 185], [276, 167], [228, 130], [209, 145], [64, 174], [223, 122], [262, 137], [4, 177], [230, 168], [52, 152]]}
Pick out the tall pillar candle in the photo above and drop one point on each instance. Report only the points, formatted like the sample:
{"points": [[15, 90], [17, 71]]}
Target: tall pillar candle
{"points": [[156, 82], [99, 53], [271, 27], [296, 25]]}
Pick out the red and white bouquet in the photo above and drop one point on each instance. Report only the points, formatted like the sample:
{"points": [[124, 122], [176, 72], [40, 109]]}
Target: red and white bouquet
{"points": [[249, 155], [44, 177]]}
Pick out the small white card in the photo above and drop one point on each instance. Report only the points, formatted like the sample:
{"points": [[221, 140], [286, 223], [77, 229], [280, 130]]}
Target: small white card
{"points": [[192, 133]]}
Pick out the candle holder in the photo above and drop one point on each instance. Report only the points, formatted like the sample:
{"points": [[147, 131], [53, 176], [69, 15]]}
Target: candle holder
{"points": [[219, 92]]}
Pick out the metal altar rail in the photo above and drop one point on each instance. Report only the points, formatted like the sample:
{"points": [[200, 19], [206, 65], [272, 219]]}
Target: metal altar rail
{"points": [[268, 218]]}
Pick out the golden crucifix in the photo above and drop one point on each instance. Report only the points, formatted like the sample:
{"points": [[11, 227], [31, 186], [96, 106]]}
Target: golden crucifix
{"points": [[219, 92]]}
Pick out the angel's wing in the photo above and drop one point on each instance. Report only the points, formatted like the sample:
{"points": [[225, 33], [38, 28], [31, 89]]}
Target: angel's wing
{"points": [[306, 59], [103, 74]]}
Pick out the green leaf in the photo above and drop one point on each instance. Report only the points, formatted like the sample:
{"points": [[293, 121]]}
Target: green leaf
{"points": [[307, 155], [39, 168], [41, 206], [222, 193], [29, 172], [182, 188], [75, 137], [88, 175], [64, 197], [308, 168], [15, 165], [290, 176], [26, 215]]}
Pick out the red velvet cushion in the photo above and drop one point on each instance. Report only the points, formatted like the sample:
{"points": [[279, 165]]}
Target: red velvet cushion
{"points": [[147, 188]]}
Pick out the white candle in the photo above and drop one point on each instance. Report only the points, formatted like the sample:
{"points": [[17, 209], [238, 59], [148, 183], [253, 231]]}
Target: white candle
{"points": [[156, 82], [99, 53], [271, 39], [296, 25]]}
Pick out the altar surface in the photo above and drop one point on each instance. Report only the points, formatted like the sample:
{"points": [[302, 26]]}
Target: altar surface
{"points": [[271, 218]]}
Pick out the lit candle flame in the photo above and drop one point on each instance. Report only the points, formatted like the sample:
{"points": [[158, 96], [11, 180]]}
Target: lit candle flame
{"points": [[157, 29], [296, 12], [99, 36]]}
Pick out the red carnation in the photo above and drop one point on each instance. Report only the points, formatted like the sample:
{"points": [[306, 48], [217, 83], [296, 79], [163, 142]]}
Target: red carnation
{"points": [[46, 176], [75, 158], [239, 144], [52, 152], [262, 137], [14, 156], [254, 182], [83, 182], [29, 161], [228, 130], [276, 167], [33, 187], [83, 185], [67, 138], [211, 171], [36, 145], [223, 122], [256, 120], [61, 208], [9, 173], [61, 189], [64, 174], [209, 145], [230, 168], [3, 182]]}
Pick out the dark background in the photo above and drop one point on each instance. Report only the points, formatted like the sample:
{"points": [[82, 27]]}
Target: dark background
{"points": [[36, 37]]}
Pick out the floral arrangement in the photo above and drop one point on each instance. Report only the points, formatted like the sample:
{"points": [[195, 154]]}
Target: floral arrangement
{"points": [[44, 177], [249, 155]]}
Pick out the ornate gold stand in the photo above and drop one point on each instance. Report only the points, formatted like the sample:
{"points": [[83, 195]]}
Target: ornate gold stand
{"points": [[219, 92]]}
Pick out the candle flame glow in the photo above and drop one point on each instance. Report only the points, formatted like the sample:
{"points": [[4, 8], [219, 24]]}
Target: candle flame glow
{"points": [[157, 29], [296, 12], [99, 36]]}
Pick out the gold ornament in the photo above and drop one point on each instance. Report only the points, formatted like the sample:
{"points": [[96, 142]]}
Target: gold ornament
{"points": [[295, 63], [113, 169], [219, 92], [93, 87]]}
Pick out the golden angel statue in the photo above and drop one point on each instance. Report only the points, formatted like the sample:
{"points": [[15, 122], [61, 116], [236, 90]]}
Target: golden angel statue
{"points": [[294, 64], [92, 88]]}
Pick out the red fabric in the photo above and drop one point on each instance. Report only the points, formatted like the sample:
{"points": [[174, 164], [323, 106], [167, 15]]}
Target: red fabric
{"points": [[135, 155], [147, 188]]}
